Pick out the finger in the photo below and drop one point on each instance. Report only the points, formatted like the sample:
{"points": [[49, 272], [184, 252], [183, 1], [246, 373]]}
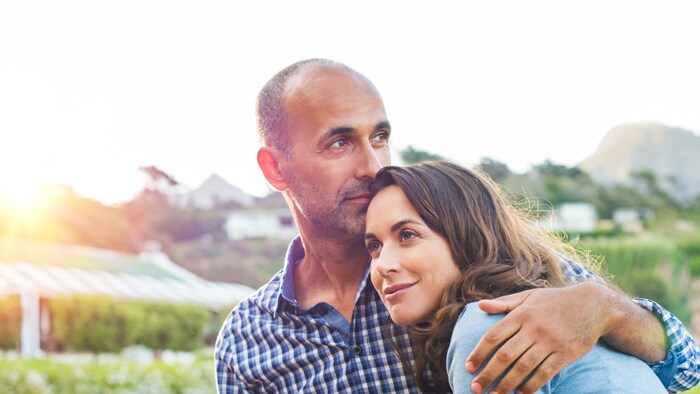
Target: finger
{"points": [[489, 342], [543, 374], [505, 303], [508, 354], [522, 368]]}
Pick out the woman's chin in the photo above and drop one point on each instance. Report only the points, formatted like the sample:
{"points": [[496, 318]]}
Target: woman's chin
{"points": [[405, 320]]}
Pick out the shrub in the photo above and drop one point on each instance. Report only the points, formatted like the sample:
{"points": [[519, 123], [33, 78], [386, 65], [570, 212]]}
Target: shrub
{"points": [[174, 327], [96, 324], [44, 377], [10, 322], [101, 324]]}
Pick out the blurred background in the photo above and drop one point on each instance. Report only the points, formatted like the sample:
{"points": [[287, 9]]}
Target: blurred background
{"points": [[133, 216]]}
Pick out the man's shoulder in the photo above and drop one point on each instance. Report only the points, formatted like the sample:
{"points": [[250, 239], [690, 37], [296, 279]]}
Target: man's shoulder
{"points": [[263, 301]]}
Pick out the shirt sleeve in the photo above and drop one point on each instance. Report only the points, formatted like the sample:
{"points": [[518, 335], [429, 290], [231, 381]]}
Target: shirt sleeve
{"points": [[680, 370], [470, 326], [226, 380]]}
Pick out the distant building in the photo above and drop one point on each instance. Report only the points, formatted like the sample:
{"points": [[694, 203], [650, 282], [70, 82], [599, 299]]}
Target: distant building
{"points": [[573, 217], [631, 219], [276, 223]]}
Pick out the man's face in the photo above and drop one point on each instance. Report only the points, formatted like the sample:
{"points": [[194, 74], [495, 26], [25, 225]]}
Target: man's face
{"points": [[338, 135]]}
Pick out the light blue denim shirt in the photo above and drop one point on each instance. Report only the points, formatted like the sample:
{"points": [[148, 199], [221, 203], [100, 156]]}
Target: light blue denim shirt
{"points": [[602, 370]]}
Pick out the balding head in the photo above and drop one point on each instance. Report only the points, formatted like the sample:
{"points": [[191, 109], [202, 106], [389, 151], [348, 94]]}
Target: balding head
{"points": [[270, 110]]}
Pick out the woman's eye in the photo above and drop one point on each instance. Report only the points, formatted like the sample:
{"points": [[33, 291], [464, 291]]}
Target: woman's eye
{"points": [[407, 235], [374, 247]]}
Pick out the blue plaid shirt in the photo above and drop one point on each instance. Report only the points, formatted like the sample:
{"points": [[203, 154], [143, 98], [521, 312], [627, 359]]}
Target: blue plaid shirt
{"points": [[269, 344]]}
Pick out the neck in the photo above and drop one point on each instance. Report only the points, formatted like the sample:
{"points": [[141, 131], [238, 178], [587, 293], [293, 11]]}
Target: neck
{"points": [[330, 272]]}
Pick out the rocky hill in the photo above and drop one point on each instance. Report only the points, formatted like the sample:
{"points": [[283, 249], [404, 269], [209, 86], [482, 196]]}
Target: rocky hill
{"points": [[215, 190], [671, 153]]}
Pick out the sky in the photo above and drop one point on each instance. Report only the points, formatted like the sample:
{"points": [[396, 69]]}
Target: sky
{"points": [[92, 90]]}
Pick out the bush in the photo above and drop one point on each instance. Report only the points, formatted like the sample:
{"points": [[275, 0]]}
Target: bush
{"points": [[10, 322], [96, 324], [42, 376], [101, 324], [174, 327]]}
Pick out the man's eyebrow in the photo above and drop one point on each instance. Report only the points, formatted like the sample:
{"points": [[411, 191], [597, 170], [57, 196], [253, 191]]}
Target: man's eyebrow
{"points": [[340, 130], [383, 125]]}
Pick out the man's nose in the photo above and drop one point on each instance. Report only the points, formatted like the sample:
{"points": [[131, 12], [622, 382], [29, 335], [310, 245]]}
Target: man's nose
{"points": [[369, 162]]}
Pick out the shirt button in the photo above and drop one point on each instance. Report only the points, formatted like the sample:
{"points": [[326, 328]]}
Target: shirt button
{"points": [[357, 350]]}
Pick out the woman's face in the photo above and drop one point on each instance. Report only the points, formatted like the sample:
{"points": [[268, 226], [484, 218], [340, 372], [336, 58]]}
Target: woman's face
{"points": [[412, 266]]}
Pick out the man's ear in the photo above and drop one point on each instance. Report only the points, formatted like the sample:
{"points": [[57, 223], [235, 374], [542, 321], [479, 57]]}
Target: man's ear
{"points": [[269, 162]]}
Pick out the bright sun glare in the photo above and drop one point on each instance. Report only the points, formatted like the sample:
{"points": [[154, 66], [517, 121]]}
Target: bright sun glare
{"points": [[22, 198]]}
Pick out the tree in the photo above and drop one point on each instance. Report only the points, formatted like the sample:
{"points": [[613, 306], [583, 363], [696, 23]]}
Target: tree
{"points": [[411, 155], [495, 169]]}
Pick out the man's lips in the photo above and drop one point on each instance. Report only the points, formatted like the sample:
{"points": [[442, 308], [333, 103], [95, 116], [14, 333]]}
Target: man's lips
{"points": [[364, 197], [396, 290]]}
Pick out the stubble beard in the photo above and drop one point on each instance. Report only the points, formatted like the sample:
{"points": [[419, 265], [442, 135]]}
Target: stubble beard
{"points": [[340, 220]]}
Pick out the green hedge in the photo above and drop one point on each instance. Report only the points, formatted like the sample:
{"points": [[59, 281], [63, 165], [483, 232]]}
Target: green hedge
{"points": [[44, 377], [101, 324], [10, 322]]}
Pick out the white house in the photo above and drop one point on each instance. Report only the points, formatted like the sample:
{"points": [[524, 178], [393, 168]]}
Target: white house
{"points": [[575, 217], [276, 223]]}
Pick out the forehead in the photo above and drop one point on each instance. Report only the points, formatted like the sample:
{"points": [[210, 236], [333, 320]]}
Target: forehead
{"points": [[390, 205], [327, 97]]}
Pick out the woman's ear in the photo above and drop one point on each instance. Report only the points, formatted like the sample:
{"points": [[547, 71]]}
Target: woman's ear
{"points": [[269, 162]]}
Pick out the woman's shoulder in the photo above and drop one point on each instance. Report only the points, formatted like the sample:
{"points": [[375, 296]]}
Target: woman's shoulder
{"points": [[473, 323]]}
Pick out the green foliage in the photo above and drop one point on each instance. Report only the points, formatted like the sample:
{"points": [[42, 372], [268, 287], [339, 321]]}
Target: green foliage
{"points": [[174, 327], [410, 155], [689, 248], [495, 169], [249, 261], [96, 324], [640, 267], [44, 377], [101, 324], [10, 322]]}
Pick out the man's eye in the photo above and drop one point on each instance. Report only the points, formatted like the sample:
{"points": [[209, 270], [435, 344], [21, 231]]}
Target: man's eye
{"points": [[341, 143], [382, 137]]}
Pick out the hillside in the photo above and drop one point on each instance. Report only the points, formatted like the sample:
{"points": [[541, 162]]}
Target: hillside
{"points": [[672, 154]]}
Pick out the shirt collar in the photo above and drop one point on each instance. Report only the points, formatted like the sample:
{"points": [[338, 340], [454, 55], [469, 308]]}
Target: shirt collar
{"points": [[284, 287]]}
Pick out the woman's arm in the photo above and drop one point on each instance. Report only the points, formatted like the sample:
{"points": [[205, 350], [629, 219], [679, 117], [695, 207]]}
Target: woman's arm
{"points": [[560, 325]]}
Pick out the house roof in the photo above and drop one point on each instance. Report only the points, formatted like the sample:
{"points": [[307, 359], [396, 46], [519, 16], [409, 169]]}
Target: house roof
{"points": [[53, 270]]}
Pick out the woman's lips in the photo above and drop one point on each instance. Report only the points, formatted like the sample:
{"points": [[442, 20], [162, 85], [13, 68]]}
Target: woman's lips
{"points": [[395, 291]]}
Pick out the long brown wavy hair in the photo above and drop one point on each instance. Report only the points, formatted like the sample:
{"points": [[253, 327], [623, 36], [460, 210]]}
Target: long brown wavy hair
{"points": [[496, 248]]}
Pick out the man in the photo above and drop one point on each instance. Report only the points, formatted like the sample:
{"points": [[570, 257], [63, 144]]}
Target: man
{"points": [[318, 326]]}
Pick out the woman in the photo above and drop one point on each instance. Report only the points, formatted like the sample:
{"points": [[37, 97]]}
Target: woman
{"points": [[441, 238]]}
